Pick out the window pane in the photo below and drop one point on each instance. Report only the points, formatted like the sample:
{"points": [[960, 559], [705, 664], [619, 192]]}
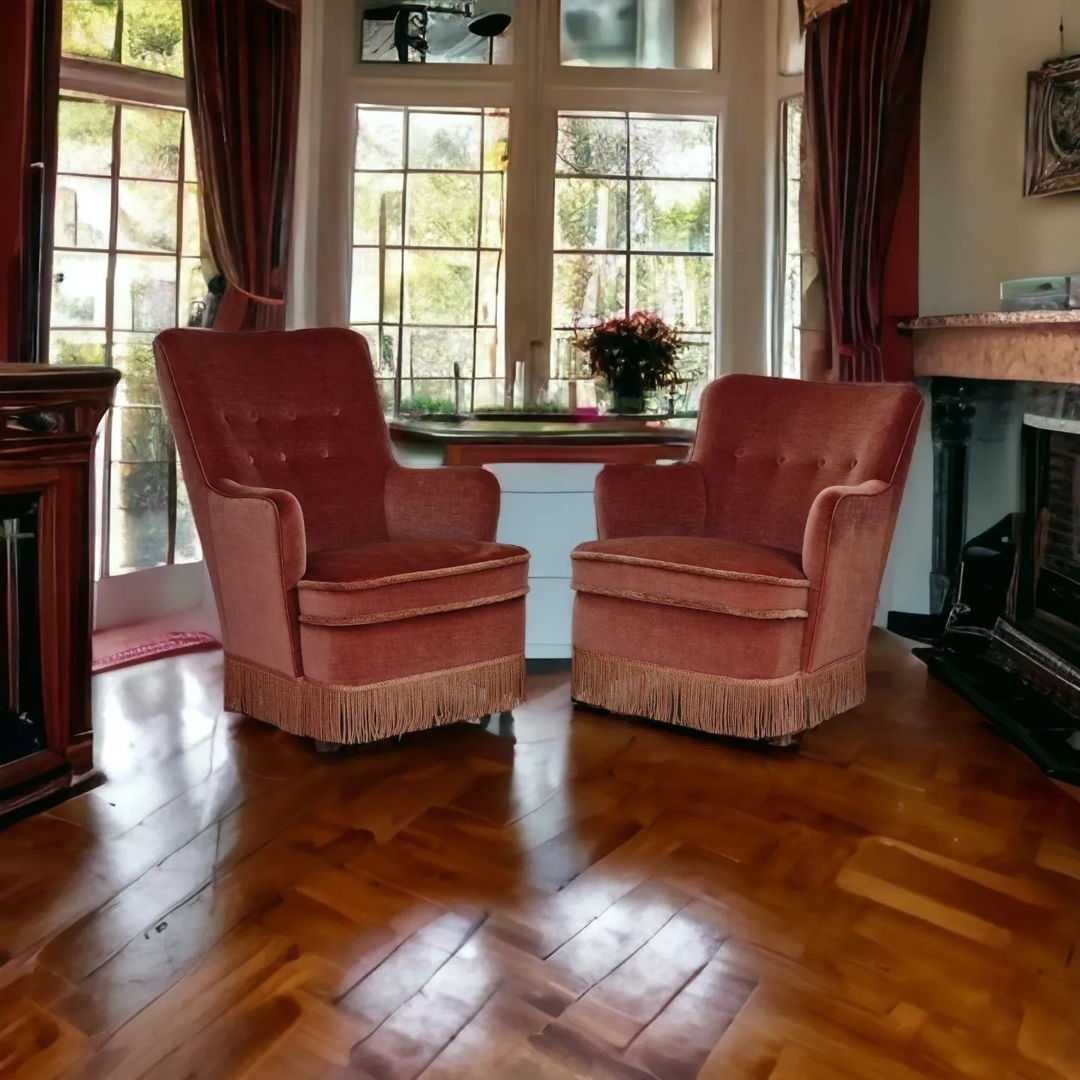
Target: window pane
{"points": [[133, 355], [138, 517], [144, 296], [441, 140], [384, 359], [440, 287], [150, 143], [676, 148], [634, 192], [432, 353], [153, 35], [444, 210], [83, 211], [438, 37], [588, 288], [146, 216], [140, 433], [439, 284], [188, 548], [672, 215], [494, 223], [377, 208], [368, 269], [192, 241], [85, 134], [427, 396], [679, 289], [496, 140], [90, 28], [77, 347], [150, 292], [789, 360], [79, 289], [380, 138], [590, 214], [192, 292], [638, 33], [592, 144]]}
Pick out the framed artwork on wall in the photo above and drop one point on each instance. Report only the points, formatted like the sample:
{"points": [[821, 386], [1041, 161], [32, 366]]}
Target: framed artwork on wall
{"points": [[1053, 128]]}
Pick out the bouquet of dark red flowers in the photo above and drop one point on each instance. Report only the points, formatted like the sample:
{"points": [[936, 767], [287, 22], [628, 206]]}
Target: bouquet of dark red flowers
{"points": [[633, 354]]}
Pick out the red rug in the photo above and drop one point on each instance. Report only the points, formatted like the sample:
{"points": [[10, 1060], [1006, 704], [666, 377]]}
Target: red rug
{"points": [[137, 644]]}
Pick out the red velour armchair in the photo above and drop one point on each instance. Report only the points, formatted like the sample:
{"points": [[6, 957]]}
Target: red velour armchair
{"points": [[358, 599], [735, 593]]}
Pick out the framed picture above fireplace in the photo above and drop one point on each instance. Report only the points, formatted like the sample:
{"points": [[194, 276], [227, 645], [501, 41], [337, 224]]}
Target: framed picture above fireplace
{"points": [[1053, 128]]}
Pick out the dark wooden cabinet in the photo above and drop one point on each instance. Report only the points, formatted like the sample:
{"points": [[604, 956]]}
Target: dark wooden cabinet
{"points": [[48, 420]]}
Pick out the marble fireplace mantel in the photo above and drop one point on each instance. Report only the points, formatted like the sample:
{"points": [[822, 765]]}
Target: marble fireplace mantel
{"points": [[1031, 346]]}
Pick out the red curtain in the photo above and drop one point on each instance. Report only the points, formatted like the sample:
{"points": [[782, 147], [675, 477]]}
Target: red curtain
{"points": [[29, 73], [863, 80], [242, 66]]}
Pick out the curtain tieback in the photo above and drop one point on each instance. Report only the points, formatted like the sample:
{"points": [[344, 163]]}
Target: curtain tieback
{"points": [[272, 300]]}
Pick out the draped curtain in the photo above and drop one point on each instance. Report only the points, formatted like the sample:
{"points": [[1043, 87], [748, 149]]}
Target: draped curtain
{"points": [[242, 67], [863, 78], [29, 74]]}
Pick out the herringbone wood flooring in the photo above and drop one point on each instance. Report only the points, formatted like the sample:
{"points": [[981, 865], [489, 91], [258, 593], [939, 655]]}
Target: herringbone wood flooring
{"points": [[594, 898]]}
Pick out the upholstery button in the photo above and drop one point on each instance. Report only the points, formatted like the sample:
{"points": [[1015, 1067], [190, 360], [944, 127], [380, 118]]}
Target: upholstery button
{"points": [[251, 459], [335, 411], [781, 459], [291, 415], [324, 452], [821, 463], [254, 416], [853, 463], [281, 455], [739, 452]]}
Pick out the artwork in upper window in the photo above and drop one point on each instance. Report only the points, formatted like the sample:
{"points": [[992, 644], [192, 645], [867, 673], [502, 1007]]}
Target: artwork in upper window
{"points": [[1053, 128], [144, 34], [437, 32], [639, 33]]}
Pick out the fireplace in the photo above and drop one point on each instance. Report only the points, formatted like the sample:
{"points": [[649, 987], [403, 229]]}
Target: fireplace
{"points": [[48, 420], [1005, 583], [1048, 585], [22, 718]]}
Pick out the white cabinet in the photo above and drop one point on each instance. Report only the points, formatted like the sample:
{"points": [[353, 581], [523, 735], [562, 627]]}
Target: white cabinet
{"points": [[549, 510]]}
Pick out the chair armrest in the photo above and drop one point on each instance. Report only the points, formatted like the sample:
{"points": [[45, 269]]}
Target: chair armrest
{"points": [[259, 553], [650, 500], [845, 545], [450, 503]]}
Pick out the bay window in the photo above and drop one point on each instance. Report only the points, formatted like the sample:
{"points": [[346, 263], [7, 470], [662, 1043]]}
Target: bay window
{"points": [[502, 199]]}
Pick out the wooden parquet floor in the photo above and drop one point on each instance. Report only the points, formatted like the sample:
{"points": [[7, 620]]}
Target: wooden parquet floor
{"points": [[592, 898]]}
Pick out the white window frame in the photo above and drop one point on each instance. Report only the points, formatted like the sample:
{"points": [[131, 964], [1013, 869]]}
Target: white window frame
{"points": [[535, 87]]}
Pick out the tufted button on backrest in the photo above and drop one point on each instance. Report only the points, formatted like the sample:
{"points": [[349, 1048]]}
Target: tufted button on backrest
{"points": [[769, 446]]}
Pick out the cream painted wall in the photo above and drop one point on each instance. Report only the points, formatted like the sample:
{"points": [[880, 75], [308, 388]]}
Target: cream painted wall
{"points": [[976, 228]]}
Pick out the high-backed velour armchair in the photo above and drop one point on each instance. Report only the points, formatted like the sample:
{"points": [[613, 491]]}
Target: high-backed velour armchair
{"points": [[358, 599], [735, 593]]}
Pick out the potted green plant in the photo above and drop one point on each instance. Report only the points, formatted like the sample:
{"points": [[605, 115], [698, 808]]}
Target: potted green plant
{"points": [[633, 354]]}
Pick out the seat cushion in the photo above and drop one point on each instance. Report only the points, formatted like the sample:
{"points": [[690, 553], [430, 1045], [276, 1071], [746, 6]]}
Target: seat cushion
{"points": [[385, 581], [700, 572]]}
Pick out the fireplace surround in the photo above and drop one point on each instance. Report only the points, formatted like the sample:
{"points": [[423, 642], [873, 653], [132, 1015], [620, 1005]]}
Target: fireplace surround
{"points": [[48, 421], [1005, 633]]}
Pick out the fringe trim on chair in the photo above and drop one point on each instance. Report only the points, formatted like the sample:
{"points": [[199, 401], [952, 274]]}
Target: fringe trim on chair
{"points": [[743, 708], [358, 714]]}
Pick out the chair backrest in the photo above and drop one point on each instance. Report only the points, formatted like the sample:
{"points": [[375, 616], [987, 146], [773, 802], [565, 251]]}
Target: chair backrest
{"points": [[297, 410], [768, 446]]}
